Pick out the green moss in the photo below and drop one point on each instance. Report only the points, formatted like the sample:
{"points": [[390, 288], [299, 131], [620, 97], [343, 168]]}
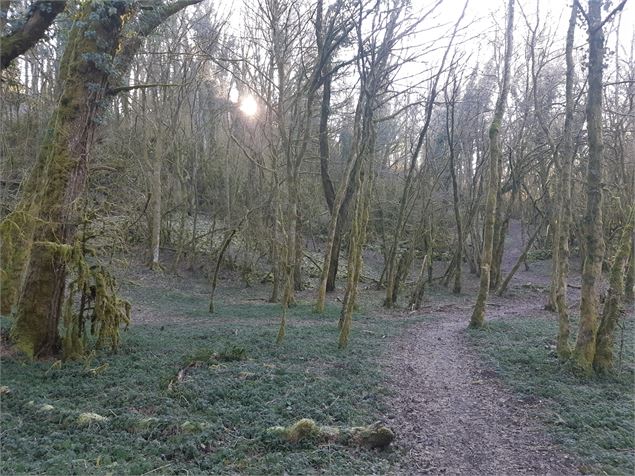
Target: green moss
{"points": [[372, 436], [15, 245], [302, 430], [307, 431], [90, 418]]}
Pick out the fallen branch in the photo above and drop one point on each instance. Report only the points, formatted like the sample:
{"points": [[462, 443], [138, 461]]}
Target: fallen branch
{"points": [[182, 373], [307, 431], [312, 260]]}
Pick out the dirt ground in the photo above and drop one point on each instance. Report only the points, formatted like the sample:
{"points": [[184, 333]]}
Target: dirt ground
{"points": [[452, 414]]}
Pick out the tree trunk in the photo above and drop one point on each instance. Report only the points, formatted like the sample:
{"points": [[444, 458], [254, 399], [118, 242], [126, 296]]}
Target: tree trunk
{"points": [[564, 200], [88, 69], [63, 160], [478, 315], [416, 299], [335, 261], [593, 235], [603, 359], [351, 166], [458, 255], [519, 261], [357, 240], [155, 165], [629, 282], [32, 29], [299, 257], [327, 183]]}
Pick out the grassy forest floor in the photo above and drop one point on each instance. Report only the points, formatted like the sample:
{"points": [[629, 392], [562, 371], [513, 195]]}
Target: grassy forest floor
{"points": [[461, 402]]}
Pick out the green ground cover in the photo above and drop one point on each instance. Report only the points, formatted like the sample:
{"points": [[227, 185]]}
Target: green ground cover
{"points": [[593, 418], [213, 420]]}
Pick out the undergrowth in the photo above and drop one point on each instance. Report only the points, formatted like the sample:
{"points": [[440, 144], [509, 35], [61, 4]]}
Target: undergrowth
{"points": [[237, 384], [593, 418]]}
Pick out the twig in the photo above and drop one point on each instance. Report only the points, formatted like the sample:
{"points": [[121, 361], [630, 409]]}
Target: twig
{"points": [[119, 89], [157, 469]]}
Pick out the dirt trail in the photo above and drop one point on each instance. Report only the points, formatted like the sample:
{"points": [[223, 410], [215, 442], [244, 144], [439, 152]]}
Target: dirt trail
{"points": [[452, 415]]}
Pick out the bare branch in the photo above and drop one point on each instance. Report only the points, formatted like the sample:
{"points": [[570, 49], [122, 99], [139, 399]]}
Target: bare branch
{"points": [[33, 26], [150, 18], [612, 14]]}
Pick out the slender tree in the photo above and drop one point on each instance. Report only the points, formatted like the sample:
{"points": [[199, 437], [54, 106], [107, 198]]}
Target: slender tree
{"points": [[495, 159], [593, 235]]}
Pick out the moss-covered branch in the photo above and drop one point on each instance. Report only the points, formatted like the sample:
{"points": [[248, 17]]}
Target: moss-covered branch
{"points": [[31, 29], [307, 431]]}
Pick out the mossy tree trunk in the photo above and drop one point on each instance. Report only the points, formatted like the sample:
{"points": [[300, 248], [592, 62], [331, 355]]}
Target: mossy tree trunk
{"points": [[629, 281], [561, 254], [96, 59], [478, 315], [63, 159], [373, 85], [327, 183], [501, 223], [351, 166], [592, 234], [603, 359], [356, 246]]}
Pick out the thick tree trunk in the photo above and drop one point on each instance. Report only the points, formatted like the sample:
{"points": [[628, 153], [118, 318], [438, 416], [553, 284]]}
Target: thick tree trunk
{"points": [[478, 315], [87, 71], [63, 159], [593, 235]]}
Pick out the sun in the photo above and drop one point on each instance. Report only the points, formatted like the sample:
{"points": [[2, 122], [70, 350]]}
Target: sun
{"points": [[248, 106]]}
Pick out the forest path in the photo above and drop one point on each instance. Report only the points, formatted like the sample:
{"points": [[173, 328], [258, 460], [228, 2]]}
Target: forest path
{"points": [[451, 413]]}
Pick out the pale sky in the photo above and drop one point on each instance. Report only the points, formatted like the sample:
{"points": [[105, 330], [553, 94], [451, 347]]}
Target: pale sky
{"points": [[482, 16]]}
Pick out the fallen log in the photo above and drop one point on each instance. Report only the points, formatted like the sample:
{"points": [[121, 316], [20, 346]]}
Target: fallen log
{"points": [[306, 430]]}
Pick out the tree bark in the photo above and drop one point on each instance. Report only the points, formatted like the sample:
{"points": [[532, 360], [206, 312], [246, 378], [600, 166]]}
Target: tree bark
{"points": [[86, 73], [478, 315], [603, 358], [458, 255], [39, 18], [63, 157], [593, 234], [563, 347]]}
